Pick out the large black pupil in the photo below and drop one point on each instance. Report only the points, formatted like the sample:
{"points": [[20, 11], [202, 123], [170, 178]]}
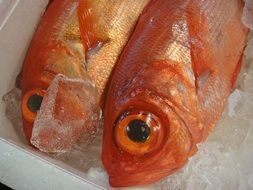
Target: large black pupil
{"points": [[34, 102], [138, 131]]}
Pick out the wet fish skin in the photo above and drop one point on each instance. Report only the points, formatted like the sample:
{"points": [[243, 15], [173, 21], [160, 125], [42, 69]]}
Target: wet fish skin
{"points": [[179, 65], [112, 24]]}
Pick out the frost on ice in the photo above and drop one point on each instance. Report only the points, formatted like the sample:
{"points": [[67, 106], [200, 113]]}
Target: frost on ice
{"points": [[86, 154], [13, 100], [69, 111], [248, 14]]}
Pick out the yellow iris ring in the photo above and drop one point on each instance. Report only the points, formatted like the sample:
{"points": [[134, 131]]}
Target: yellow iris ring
{"points": [[137, 148]]}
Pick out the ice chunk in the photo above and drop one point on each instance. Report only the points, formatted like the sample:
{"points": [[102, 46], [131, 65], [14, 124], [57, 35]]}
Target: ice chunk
{"points": [[236, 121], [248, 14], [248, 51], [69, 111], [248, 76], [13, 112], [85, 154], [245, 79], [211, 168], [233, 100], [99, 174]]}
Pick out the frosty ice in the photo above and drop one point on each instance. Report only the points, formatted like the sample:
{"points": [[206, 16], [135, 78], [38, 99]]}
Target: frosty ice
{"points": [[70, 109]]}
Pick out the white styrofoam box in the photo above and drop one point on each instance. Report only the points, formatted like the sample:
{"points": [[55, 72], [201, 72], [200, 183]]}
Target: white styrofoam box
{"points": [[22, 167]]}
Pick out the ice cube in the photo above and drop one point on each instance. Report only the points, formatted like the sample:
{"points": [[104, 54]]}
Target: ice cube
{"points": [[99, 174], [69, 111], [174, 182], [248, 51], [248, 76], [248, 14], [85, 154], [13, 112], [210, 168], [233, 100], [236, 121]]}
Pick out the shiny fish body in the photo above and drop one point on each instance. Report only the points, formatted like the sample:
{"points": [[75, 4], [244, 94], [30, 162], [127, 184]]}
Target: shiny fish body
{"points": [[173, 78], [112, 23]]}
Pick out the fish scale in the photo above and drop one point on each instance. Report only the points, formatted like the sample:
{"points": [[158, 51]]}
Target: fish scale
{"points": [[115, 26], [216, 101]]}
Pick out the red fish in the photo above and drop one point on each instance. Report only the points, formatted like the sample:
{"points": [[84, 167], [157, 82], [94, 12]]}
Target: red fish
{"points": [[56, 48], [170, 86]]}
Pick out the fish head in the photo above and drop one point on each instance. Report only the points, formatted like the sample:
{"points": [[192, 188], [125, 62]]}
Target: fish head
{"points": [[39, 70], [146, 136], [57, 118]]}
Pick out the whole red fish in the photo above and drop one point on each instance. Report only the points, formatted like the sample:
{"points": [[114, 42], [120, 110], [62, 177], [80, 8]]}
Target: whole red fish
{"points": [[170, 86], [56, 48]]}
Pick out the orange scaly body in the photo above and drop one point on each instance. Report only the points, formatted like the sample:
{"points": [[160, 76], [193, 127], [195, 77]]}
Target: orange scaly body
{"points": [[105, 26], [170, 86]]}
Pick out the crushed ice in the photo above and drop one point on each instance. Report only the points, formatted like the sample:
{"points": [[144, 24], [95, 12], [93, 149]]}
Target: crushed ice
{"points": [[12, 100]]}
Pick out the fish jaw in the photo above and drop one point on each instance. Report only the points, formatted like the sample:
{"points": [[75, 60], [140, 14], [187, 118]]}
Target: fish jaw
{"points": [[173, 147]]}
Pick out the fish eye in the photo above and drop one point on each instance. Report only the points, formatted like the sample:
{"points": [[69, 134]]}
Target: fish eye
{"points": [[34, 102], [31, 103], [138, 133]]}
